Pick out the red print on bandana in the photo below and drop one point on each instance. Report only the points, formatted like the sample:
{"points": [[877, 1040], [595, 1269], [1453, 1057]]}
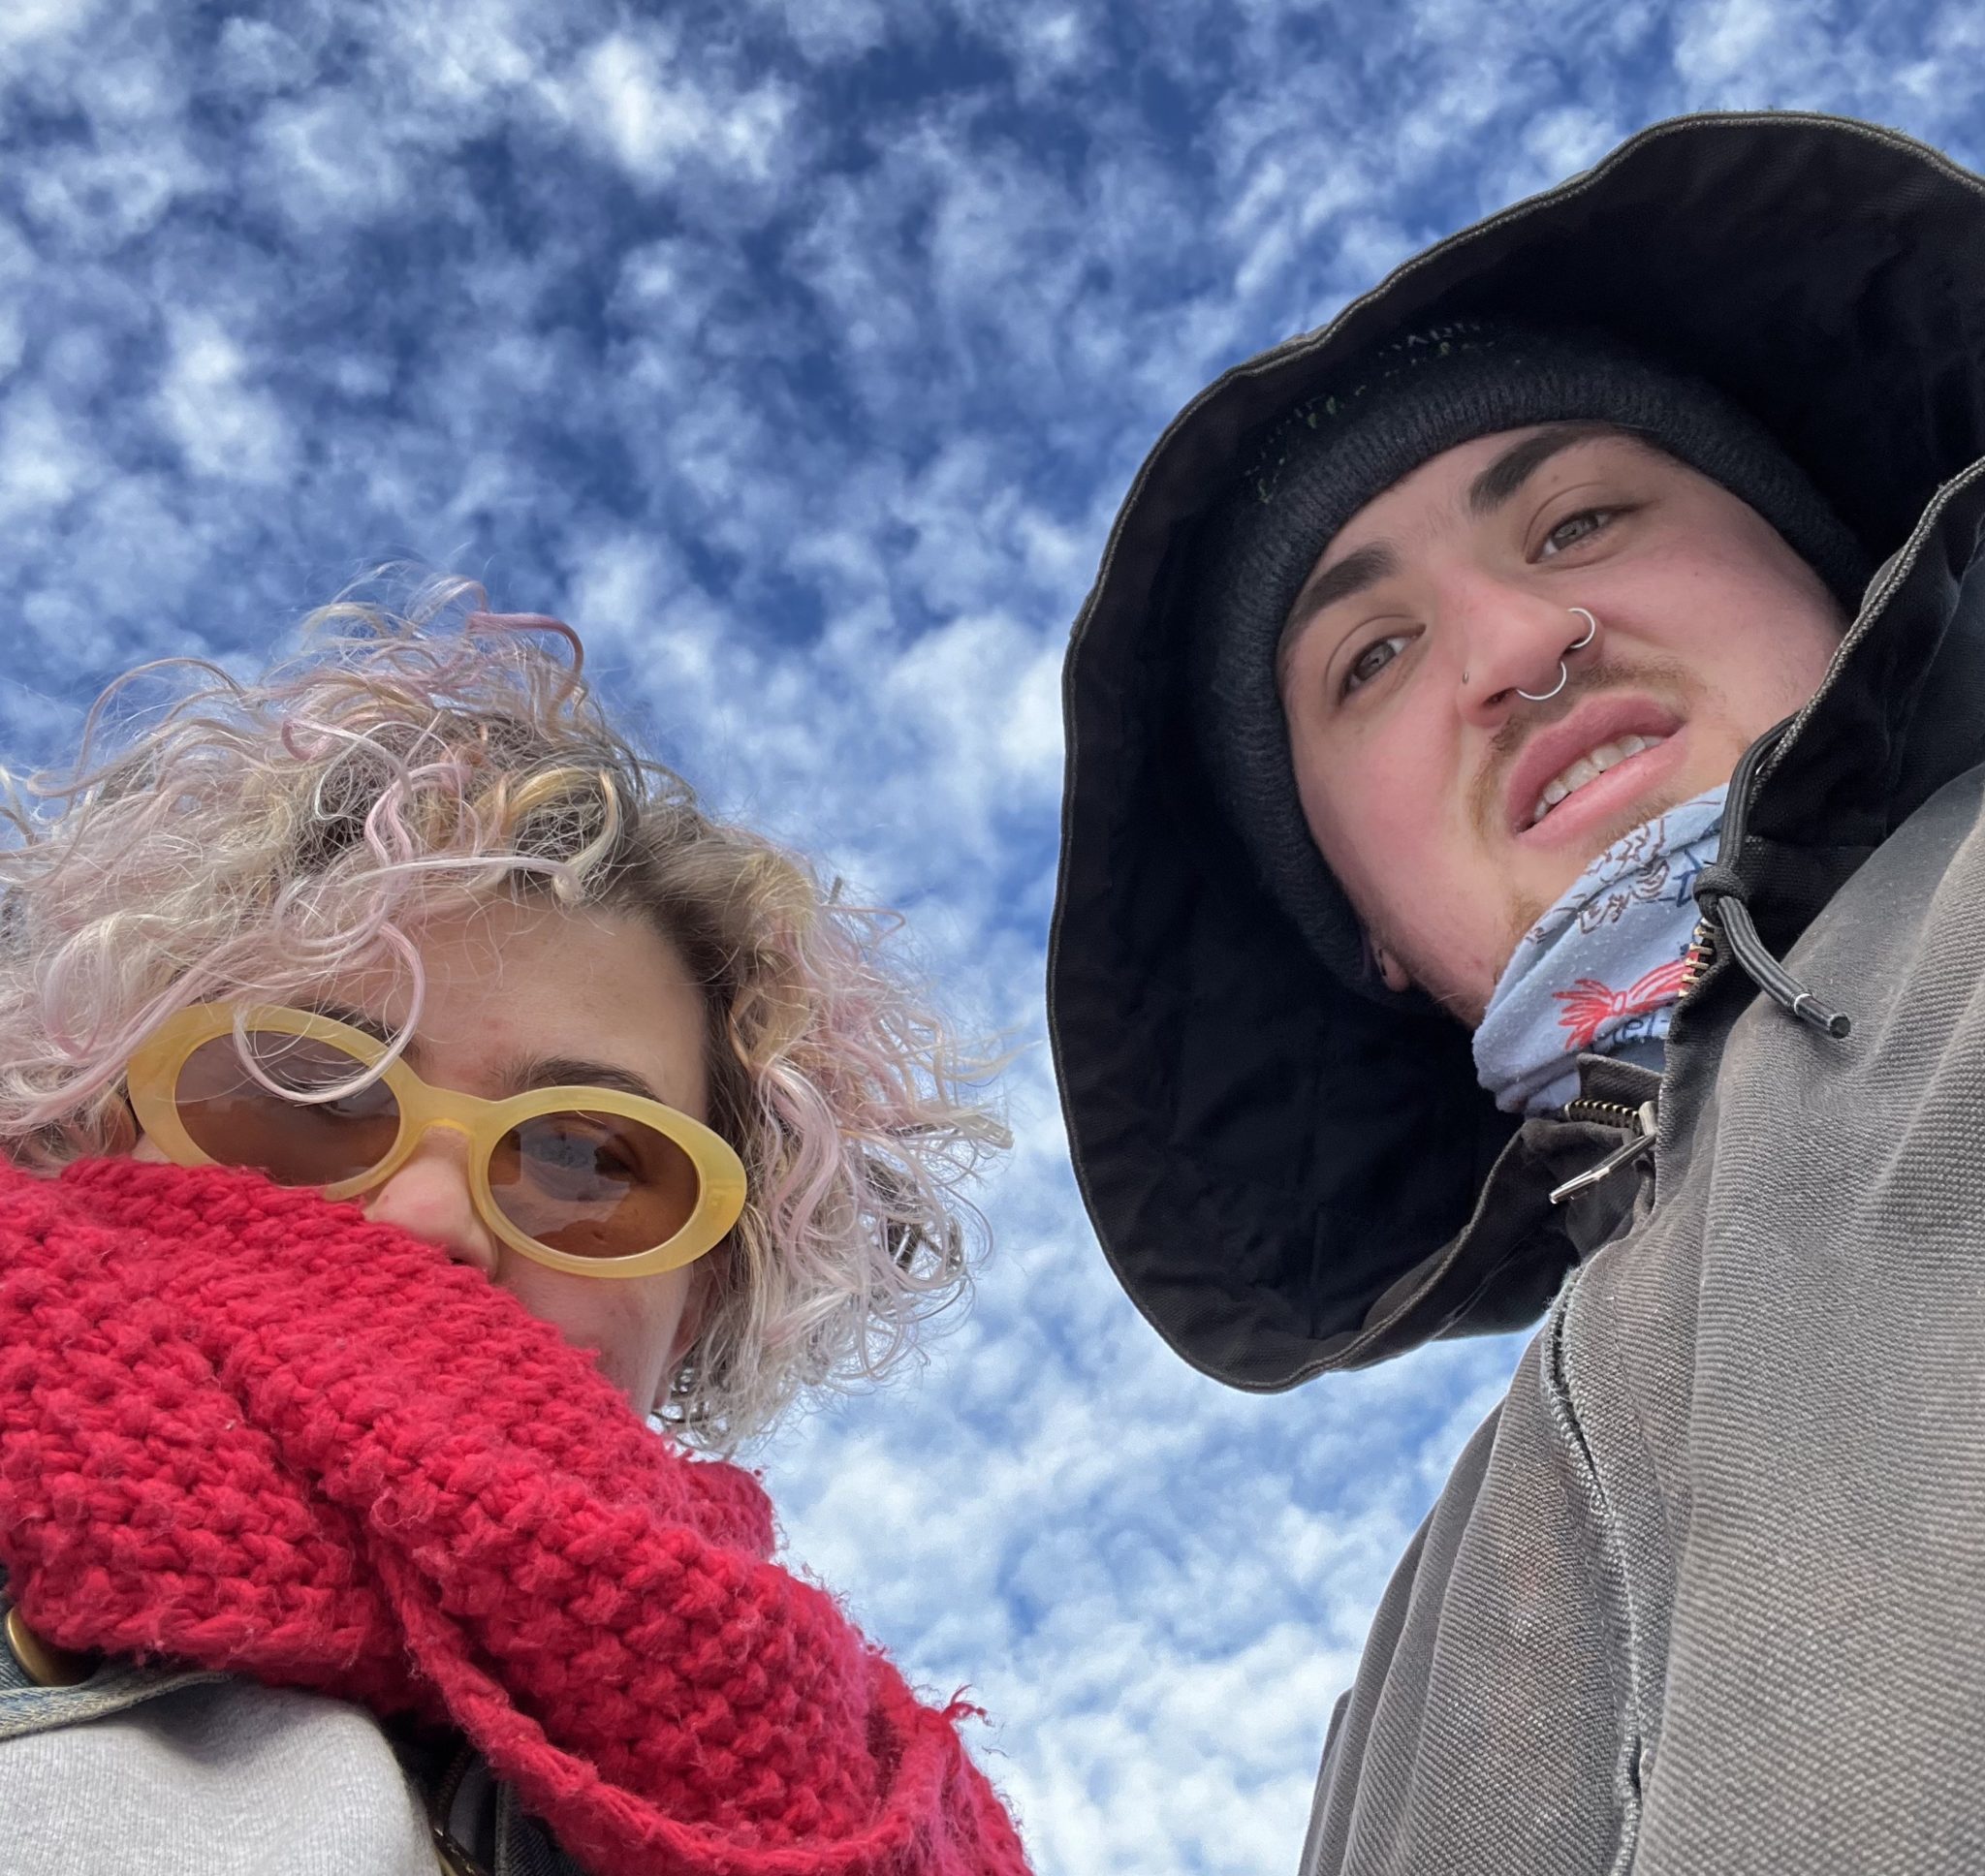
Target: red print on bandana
{"points": [[1590, 1005]]}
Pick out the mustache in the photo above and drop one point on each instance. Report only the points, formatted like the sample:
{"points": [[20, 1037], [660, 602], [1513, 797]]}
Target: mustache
{"points": [[1666, 678]]}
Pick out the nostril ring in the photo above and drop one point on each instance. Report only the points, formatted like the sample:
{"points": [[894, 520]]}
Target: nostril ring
{"points": [[1591, 632]]}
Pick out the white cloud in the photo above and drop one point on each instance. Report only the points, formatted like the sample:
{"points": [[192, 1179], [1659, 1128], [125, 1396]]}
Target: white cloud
{"points": [[1728, 40], [1031, 729], [982, 693], [257, 55], [100, 200], [632, 94], [829, 31], [1561, 143], [330, 160], [225, 424], [460, 53], [27, 22], [46, 459]]}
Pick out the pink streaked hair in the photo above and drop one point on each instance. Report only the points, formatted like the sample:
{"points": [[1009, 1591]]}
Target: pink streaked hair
{"points": [[243, 841]]}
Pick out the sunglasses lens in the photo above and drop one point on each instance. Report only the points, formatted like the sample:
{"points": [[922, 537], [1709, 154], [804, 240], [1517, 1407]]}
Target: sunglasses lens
{"points": [[593, 1184], [235, 1120]]}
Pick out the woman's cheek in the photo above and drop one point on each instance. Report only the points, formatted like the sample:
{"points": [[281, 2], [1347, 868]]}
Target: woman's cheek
{"points": [[634, 1323]]}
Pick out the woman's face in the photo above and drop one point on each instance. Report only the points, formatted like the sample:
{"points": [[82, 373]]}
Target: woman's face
{"points": [[529, 995]]}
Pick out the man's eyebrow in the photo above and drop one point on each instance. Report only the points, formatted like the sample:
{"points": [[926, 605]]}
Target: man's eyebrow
{"points": [[1518, 463], [1351, 575]]}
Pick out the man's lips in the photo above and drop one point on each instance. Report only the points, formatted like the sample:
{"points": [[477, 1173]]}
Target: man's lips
{"points": [[1556, 746]]}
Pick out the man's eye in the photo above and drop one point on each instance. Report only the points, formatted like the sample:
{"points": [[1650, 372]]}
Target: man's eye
{"points": [[1574, 528], [1372, 660]]}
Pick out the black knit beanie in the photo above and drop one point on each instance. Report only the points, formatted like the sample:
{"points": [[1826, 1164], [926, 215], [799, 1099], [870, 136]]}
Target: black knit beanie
{"points": [[1313, 468]]}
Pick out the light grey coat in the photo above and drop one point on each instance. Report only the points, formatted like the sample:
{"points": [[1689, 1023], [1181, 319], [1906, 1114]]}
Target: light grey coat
{"points": [[170, 1772]]}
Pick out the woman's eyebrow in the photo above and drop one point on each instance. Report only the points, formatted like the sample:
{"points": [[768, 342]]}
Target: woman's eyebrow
{"points": [[351, 1018], [567, 1070], [529, 1074]]}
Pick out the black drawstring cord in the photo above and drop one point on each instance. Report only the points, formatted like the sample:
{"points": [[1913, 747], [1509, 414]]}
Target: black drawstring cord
{"points": [[1721, 892]]}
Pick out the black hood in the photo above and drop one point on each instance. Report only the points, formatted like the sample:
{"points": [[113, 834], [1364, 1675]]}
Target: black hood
{"points": [[1279, 1170]]}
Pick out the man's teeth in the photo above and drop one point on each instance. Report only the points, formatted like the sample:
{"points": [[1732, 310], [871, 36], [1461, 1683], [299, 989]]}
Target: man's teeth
{"points": [[1590, 766]]}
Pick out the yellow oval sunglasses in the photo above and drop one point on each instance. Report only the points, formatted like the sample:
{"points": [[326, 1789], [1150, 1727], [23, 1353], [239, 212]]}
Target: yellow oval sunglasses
{"points": [[585, 1179]]}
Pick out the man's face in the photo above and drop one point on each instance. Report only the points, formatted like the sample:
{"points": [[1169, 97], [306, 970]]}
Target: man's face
{"points": [[1421, 771]]}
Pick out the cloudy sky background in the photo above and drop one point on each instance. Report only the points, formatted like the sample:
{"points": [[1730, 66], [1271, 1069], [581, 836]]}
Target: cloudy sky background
{"points": [[799, 350]]}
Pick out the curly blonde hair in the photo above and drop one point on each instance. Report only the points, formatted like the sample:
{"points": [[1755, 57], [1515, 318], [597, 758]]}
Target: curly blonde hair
{"points": [[243, 841]]}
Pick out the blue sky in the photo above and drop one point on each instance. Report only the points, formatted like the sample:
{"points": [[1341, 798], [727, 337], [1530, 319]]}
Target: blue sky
{"points": [[799, 352]]}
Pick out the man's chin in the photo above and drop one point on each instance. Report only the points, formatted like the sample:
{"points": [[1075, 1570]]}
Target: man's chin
{"points": [[1466, 993], [1463, 989], [1599, 840]]}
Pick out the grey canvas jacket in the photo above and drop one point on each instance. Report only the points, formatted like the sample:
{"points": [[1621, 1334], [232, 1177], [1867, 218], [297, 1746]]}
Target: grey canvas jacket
{"points": [[106, 1765], [1705, 1593]]}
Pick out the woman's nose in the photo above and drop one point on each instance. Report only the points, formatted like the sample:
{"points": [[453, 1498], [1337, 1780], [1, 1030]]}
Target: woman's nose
{"points": [[1514, 648], [428, 1198]]}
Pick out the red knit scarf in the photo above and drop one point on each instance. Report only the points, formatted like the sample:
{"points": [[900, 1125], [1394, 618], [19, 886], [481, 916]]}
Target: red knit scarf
{"points": [[244, 1428]]}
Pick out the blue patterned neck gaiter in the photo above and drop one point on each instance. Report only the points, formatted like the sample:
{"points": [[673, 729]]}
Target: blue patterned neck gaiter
{"points": [[1602, 969]]}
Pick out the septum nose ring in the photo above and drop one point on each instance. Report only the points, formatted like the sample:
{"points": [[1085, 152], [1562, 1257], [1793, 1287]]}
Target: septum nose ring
{"points": [[1564, 670]]}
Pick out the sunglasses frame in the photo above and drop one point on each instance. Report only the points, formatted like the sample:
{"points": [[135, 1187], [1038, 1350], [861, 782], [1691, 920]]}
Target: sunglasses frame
{"points": [[152, 1082]]}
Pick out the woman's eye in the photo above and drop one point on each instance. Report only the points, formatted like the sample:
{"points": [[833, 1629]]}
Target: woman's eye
{"points": [[362, 1106], [1574, 528], [1372, 660], [576, 1151]]}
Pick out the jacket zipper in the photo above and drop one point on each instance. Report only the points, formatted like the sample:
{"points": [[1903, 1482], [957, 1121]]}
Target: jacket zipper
{"points": [[1697, 959], [1700, 959], [1641, 1119], [453, 1858]]}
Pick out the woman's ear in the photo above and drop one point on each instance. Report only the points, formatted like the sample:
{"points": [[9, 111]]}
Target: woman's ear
{"points": [[688, 1327], [122, 1135]]}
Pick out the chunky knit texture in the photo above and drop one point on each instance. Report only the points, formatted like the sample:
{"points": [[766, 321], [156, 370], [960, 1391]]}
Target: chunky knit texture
{"points": [[244, 1428]]}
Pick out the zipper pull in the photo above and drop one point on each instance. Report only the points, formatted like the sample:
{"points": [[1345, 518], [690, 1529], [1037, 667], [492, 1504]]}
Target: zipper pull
{"points": [[1697, 959], [1631, 1149]]}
